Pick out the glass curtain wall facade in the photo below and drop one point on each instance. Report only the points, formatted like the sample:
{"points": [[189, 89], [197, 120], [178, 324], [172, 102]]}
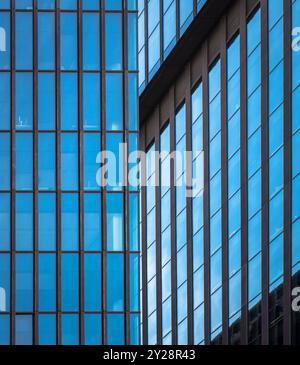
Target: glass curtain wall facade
{"points": [[69, 247], [234, 243]]}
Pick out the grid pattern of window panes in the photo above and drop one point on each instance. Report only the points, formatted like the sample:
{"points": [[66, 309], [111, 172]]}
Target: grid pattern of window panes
{"points": [[276, 165], [215, 205], [254, 172], [198, 214], [165, 198], [234, 183], [181, 225], [54, 249], [295, 166], [151, 247]]}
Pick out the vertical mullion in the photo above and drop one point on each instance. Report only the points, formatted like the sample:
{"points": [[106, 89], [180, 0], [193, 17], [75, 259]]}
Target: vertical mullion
{"points": [[224, 182], [13, 177], [35, 170], [80, 171], [244, 178], [287, 173], [189, 210], [265, 173], [206, 197]]}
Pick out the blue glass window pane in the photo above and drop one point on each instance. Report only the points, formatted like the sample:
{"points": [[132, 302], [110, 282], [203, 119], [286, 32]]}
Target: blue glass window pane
{"points": [[151, 260], [24, 41], [91, 41], [170, 25], [47, 222], [276, 215], [70, 329], [215, 81], [47, 282], [216, 310], [91, 101], [233, 55], [132, 42], [92, 329], [295, 110], [167, 316], [113, 36], [24, 282], [114, 102], [69, 101], [132, 102], [198, 250], [115, 222], [115, 329], [180, 123], [295, 198], [23, 4], [234, 94], [254, 278], [215, 232], [134, 329], [152, 329], [276, 87], [4, 222], [296, 242], [4, 100], [234, 174], [166, 280], [234, 134], [199, 287], [5, 40], [295, 151], [46, 41], [214, 117], [24, 330], [166, 246], [92, 282], [46, 162], [69, 282], [275, 12], [153, 52], [47, 329], [254, 111], [198, 213], [215, 155], [113, 4], [153, 15], [216, 271], [46, 101], [253, 32], [234, 208], [215, 194], [5, 161], [254, 152], [254, 195], [186, 10], [276, 169], [92, 222], [115, 282], [92, 147], [69, 161], [199, 325], [133, 222], [68, 41], [276, 130], [4, 330], [235, 294], [90, 4], [254, 74], [234, 259], [182, 302], [24, 104], [46, 4], [254, 235], [183, 333], [151, 296], [275, 44], [276, 259], [181, 234], [134, 282], [68, 4], [24, 222], [4, 283], [69, 222]]}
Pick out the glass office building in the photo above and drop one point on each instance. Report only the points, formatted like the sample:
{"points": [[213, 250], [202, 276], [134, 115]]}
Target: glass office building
{"points": [[69, 246], [224, 260]]}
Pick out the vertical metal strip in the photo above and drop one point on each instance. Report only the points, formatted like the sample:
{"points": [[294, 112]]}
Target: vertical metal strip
{"points": [[287, 285], [244, 177], [224, 179]]}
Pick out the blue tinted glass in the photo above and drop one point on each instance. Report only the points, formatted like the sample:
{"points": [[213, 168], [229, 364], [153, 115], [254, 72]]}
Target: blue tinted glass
{"points": [[24, 331], [216, 309], [134, 329], [69, 101], [215, 155], [182, 303], [91, 151], [47, 222], [46, 41], [153, 51], [234, 94], [69, 282], [276, 45], [4, 161], [24, 282], [166, 246], [153, 14], [234, 134], [215, 81], [254, 195], [47, 329], [47, 282], [296, 242], [115, 282], [151, 296], [275, 130], [4, 221], [134, 282], [234, 174], [133, 159], [198, 250], [295, 113], [5, 41], [113, 36], [166, 280], [276, 259], [215, 194], [4, 330], [170, 25], [4, 100], [91, 42], [133, 222], [181, 234], [46, 4], [295, 201], [68, 4], [276, 87], [92, 329], [167, 316], [183, 333], [235, 294], [199, 325], [180, 123], [186, 10], [24, 222], [92, 282], [114, 102], [132, 42], [276, 168], [253, 33], [234, 260], [24, 104], [254, 152], [46, 161], [233, 55], [234, 214], [69, 222], [199, 287], [4, 283], [69, 161], [254, 277], [90, 4], [132, 102], [46, 101], [215, 232], [92, 222], [151, 259], [115, 329], [69, 329], [216, 271], [276, 215], [91, 101], [254, 235], [24, 48], [254, 73], [68, 41], [275, 12], [23, 4], [295, 150], [254, 111], [113, 4], [214, 117], [152, 329]]}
